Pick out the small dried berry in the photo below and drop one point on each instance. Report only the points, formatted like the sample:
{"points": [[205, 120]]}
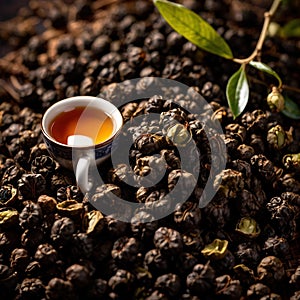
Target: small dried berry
{"points": [[107, 192], [201, 280], [149, 144], [245, 152], [98, 289], [185, 263], [62, 231], [121, 282], [82, 245], [58, 288], [245, 274], [236, 131], [270, 270], [143, 226], [46, 255], [169, 284], [155, 262], [125, 250], [43, 165], [264, 167], [193, 242], [228, 288], [184, 182], [168, 241], [32, 288], [229, 182], [149, 170], [115, 227], [33, 269], [19, 259], [30, 239], [31, 186], [282, 215], [217, 212], [257, 291], [78, 275], [12, 175], [47, 204], [276, 246], [31, 216], [187, 215], [248, 253]]}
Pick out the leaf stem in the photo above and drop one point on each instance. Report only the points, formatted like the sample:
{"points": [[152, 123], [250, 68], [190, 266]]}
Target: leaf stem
{"points": [[284, 87], [290, 88], [267, 19]]}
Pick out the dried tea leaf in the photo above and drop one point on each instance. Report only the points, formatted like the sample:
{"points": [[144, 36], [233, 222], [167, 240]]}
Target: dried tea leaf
{"points": [[70, 208], [8, 217], [94, 222], [216, 250]]}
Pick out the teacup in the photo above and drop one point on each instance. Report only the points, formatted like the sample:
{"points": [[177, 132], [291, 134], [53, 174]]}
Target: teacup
{"points": [[79, 132]]}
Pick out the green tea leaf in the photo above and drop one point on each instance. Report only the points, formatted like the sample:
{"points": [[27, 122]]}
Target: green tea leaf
{"points": [[266, 69], [193, 28], [291, 29], [237, 91], [291, 109]]}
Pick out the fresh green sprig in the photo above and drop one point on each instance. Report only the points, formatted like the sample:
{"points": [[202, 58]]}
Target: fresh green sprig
{"points": [[203, 35]]}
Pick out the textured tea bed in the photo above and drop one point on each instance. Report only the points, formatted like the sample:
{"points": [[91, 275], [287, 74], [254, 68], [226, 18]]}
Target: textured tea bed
{"points": [[55, 245]]}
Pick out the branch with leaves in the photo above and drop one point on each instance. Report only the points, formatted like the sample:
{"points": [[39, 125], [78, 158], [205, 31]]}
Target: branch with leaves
{"points": [[203, 35]]}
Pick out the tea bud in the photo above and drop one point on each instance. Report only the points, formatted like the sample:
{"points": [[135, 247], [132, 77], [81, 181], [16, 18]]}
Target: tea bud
{"points": [[179, 135], [278, 138], [275, 100], [248, 227]]}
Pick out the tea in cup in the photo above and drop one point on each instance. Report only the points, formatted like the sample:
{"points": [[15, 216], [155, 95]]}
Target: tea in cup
{"points": [[79, 131]]}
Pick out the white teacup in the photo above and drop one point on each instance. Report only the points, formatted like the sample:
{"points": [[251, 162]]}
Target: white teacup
{"points": [[80, 152]]}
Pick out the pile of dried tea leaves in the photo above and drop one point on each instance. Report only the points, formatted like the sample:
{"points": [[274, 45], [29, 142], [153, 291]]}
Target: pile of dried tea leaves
{"points": [[54, 244]]}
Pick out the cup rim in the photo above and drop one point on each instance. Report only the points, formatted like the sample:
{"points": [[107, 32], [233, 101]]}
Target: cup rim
{"points": [[90, 98]]}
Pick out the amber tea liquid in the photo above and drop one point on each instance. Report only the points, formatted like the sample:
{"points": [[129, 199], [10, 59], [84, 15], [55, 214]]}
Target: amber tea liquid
{"points": [[88, 121]]}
